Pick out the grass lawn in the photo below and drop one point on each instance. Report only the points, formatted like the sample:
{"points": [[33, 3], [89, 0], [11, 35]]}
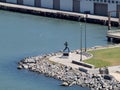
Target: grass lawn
{"points": [[105, 57]]}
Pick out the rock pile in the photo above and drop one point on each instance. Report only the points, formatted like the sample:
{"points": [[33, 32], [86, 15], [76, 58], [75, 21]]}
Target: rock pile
{"points": [[68, 75]]}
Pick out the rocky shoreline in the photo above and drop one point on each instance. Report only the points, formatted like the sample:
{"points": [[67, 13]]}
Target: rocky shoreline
{"points": [[70, 76]]}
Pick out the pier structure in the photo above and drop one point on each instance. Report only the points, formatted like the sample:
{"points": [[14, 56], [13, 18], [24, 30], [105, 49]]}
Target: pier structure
{"points": [[113, 36], [59, 14], [96, 7]]}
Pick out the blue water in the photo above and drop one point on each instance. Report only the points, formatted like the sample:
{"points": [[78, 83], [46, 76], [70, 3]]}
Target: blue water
{"points": [[23, 35]]}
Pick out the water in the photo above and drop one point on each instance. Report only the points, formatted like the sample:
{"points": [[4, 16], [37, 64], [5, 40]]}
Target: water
{"points": [[24, 35]]}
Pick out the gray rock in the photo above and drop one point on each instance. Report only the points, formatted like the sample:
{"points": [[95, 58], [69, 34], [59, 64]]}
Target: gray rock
{"points": [[72, 83], [64, 84], [108, 77], [25, 66], [19, 67]]}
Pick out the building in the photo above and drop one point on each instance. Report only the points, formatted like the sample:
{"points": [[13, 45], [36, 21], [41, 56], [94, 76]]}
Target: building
{"points": [[97, 7]]}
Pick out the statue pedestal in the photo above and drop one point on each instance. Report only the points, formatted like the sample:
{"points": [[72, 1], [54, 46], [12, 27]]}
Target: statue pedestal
{"points": [[66, 51], [65, 54]]}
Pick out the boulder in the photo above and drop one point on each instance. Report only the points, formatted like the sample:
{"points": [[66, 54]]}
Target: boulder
{"points": [[19, 67], [25, 66], [108, 77], [72, 83], [31, 61], [65, 84]]}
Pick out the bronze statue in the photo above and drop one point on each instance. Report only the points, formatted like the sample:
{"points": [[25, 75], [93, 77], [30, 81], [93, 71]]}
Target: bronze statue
{"points": [[66, 47]]}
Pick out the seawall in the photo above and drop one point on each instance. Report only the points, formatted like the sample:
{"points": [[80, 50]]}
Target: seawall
{"points": [[59, 14]]}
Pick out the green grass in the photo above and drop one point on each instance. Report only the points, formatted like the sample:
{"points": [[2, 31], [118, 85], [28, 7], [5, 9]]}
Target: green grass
{"points": [[105, 57]]}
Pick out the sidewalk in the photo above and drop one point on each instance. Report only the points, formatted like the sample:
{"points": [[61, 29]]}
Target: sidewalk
{"points": [[68, 60], [115, 71]]}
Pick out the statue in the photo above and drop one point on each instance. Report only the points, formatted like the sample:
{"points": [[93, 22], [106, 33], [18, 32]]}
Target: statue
{"points": [[66, 53]]}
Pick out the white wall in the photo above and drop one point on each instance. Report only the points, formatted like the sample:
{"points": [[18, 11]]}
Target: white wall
{"points": [[87, 6], [28, 2], [66, 5], [11, 1], [47, 3], [112, 7]]}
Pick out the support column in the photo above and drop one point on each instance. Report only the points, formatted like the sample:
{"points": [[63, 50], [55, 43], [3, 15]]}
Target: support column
{"points": [[109, 24], [108, 39], [119, 19], [114, 40]]}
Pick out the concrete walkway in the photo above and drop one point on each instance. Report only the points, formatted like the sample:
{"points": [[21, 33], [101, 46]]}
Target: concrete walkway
{"points": [[68, 60], [115, 71]]}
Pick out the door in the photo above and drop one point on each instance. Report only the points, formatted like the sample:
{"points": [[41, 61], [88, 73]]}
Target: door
{"points": [[37, 3], [2, 0], [101, 9], [118, 9], [76, 5], [20, 2], [56, 4]]}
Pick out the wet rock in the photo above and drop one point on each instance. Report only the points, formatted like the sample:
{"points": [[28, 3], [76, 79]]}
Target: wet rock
{"points": [[19, 67], [72, 83], [65, 84], [25, 66]]}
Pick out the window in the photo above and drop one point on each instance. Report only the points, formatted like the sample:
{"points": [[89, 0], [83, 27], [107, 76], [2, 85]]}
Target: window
{"points": [[116, 1], [112, 1]]}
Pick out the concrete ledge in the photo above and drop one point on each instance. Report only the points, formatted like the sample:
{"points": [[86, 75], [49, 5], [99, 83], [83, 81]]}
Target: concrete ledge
{"points": [[83, 64]]}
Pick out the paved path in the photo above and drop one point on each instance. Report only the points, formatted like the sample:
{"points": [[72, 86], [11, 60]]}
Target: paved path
{"points": [[68, 61], [116, 75], [115, 71]]}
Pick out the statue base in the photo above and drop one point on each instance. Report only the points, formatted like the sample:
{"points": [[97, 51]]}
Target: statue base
{"points": [[65, 54]]}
